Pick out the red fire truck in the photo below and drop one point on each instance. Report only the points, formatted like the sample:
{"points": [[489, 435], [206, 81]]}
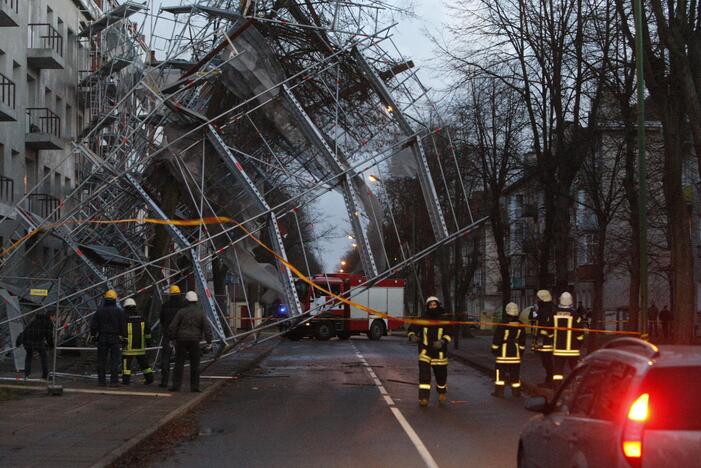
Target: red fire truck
{"points": [[335, 318]]}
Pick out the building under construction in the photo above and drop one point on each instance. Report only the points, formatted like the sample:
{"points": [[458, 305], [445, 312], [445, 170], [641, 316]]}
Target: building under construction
{"points": [[184, 142]]}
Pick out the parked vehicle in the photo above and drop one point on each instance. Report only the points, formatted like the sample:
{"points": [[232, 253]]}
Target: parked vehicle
{"points": [[332, 317], [630, 404]]}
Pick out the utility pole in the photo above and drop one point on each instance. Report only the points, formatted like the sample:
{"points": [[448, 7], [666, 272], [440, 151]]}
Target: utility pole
{"points": [[642, 165]]}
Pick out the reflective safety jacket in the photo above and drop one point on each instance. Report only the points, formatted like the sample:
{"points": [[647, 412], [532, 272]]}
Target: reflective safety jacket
{"points": [[137, 336], [509, 342], [543, 337], [567, 342], [427, 334]]}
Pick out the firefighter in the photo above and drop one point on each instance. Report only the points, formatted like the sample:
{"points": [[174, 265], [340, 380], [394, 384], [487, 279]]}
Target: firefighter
{"points": [[432, 340], [188, 327], [543, 337], [168, 311], [508, 344], [109, 324], [138, 337], [567, 343]]}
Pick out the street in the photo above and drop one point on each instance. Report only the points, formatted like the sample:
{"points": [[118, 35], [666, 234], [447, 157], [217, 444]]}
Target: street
{"points": [[316, 403]]}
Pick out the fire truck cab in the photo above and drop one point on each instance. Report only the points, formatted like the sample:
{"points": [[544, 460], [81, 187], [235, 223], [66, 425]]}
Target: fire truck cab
{"points": [[332, 317]]}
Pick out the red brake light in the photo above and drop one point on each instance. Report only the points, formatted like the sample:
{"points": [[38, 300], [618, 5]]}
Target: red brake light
{"points": [[632, 443], [639, 409]]}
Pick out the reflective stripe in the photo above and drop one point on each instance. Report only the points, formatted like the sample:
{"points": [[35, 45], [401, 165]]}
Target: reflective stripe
{"points": [[148, 370], [495, 346], [425, 336], [442, 386], [557, 377], [425, 359], [425, 386], [439, 362], [447, 338], [515, 384], [498, 381], [440, 333], [501, 360], [503, 346], [130, 336], [580, 337], [564, 352]]}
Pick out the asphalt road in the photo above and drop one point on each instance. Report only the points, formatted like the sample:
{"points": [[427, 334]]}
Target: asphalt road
{"points": [[348, 404]]}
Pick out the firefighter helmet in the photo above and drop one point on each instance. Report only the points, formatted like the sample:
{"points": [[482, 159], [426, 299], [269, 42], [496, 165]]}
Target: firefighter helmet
{"points": [[191, 296], [566, 299], [512, 309], [174, 289], [433, 299], [544, 295], [111, 294], [129, 302]]}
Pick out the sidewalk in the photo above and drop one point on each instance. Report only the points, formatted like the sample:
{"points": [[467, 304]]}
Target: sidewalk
{"points": [[96, 429], [477, 352]]}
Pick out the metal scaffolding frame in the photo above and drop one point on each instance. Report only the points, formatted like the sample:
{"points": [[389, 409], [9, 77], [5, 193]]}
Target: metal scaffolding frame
{"points": [[217, 109]]}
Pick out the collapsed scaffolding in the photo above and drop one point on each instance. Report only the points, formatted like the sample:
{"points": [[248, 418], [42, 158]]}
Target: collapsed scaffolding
{"points": [[252, 112]]}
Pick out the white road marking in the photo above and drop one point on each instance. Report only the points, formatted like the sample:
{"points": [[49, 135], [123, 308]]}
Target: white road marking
{"points": [[410, 432]]}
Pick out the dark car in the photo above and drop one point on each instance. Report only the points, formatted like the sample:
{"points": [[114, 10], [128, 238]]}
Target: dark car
{"points": [[630, 404]]}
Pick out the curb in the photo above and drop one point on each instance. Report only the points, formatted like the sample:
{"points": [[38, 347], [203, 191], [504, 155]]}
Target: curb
{"points": [[183, 409]]}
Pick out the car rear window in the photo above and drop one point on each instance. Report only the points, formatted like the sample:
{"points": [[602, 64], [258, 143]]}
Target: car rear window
{"points": [[675, 398]]}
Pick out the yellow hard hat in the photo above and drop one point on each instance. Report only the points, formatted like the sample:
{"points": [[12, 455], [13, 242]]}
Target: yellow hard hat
{"points": [[174, 289], [111, 294]]}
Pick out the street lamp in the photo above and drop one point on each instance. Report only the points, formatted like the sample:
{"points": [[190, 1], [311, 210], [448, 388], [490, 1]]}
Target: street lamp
{"points": [[343, 263], [341, 270], [351, 237]]}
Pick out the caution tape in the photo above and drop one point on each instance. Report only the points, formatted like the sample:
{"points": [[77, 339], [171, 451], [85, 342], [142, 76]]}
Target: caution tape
{"points": [[299, 274]]}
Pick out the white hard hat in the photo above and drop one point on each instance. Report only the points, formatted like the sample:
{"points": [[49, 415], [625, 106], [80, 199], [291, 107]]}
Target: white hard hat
{"points": [[129, 302], [191, 296], [544, 295], [432, 299], [512, 309], [566, 299]]}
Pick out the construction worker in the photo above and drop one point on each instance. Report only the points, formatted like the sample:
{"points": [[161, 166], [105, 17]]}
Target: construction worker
{"points": [[188, 327], [433, 351], [138, 337], [508, 344], [109, 324], [168, 310], [567, 343], [543, 337]]}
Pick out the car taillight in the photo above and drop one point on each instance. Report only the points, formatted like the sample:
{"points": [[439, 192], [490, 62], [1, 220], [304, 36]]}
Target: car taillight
{"points": [[632, 443]]}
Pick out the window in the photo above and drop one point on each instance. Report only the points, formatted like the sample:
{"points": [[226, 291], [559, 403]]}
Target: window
{"points": [[609, 397], [567, 394]]}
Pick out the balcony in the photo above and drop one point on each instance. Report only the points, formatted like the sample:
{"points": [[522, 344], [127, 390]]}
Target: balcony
{"points": [[7, 190], [9, 13], [45, 51], [43, 129], [8, 96], [44, 205]]}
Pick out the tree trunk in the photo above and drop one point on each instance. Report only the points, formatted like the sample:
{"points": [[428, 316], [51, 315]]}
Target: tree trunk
{"points": [[631, 190], [678, 221], [498, 228]]}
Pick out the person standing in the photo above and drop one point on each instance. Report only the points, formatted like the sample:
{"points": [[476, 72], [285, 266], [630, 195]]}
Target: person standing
{"points": [[543, 337], [138, 337], [508, 344], [109, 324], [666, 320], [35, 338], [569, 335], [168, 311], [432, 339], [188, 327], [652, 316]]}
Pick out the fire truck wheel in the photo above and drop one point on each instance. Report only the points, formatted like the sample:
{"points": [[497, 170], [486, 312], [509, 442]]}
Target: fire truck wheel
{"points": [[344, 335], [324, 331], [377, 329]]}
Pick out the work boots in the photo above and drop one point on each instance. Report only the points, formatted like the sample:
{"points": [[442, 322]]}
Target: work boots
{"points": [[498, 391], [516, 392], [149, 378], [423, 402], [441, 397]]}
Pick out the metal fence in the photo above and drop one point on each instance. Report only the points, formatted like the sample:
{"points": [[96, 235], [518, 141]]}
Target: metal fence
{"points": [[45, 36], [43, 120], [44, 205], [8, 92]]}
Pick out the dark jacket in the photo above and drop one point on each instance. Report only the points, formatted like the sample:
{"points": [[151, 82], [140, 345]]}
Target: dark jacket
{"points": [[567, 342], [138, 334], [39, 333], [509, 341], [168, 311], [427, 334], [109, 323], [190, 324], [543, 337]]}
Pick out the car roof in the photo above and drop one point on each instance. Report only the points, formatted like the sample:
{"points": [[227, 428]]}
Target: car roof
{"points": [[668, 356]]}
